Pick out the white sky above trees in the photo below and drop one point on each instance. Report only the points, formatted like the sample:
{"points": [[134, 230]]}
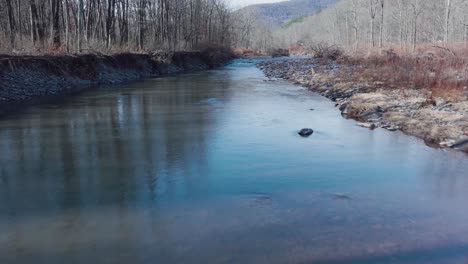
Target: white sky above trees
{"points": [[240, 3]]}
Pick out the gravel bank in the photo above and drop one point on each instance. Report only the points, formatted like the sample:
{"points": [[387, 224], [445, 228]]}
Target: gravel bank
{"points": [[26, 80], [440, 122]]}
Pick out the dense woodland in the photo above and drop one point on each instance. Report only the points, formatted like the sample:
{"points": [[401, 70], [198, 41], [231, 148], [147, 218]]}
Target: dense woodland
{"points": [[355, 24], [107, 25], [151, 25]]}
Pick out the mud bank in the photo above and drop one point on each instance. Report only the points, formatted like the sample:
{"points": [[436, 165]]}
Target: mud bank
{"points": [[440, 122], [26, 80]]}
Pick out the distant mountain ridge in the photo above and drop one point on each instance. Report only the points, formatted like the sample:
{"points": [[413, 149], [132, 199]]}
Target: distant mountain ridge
{"points": [[283, 12]]}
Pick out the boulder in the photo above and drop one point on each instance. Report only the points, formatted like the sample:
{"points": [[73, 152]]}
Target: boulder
{"points": [[306, 132]]}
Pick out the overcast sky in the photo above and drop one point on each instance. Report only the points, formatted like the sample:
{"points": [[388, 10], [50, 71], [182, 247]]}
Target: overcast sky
{"points": [[238, 3]]}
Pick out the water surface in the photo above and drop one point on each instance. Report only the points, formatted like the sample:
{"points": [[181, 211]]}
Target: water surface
{"points": [[208, 168]]}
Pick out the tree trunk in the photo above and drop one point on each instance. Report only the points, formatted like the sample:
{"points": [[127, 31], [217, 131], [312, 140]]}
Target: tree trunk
{"points": [[11, 23], [56, 23], [37, 33], [382, 5], [447, 20], [20, 27], [80, 25], [67, 26]]}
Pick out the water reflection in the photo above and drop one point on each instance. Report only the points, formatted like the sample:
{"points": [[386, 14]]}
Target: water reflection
{"points": [[103, 148], [208, 168]]}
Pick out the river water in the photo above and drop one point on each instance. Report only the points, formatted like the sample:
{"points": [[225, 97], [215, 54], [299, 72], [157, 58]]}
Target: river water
{"points": [[208, 168]]}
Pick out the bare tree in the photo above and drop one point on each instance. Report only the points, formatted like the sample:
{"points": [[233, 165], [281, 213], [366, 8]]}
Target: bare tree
{"points": [[112, 24], [55, 22], [382, 20], [80, 25], [372, 12], [448, 10], [405, 23], [11, 23], [417, 9]]}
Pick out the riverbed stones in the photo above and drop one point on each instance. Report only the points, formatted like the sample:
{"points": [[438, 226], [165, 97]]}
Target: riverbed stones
{"points": [[32, 79], [413, 111], [306, 132]]}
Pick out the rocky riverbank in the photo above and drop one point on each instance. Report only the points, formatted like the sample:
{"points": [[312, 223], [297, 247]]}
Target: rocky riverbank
{"points": [[27, 80], [440, 122]]}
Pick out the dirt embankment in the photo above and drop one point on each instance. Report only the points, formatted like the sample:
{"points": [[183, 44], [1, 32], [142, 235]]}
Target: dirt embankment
{"points": [[31, 79], [440, 122]]}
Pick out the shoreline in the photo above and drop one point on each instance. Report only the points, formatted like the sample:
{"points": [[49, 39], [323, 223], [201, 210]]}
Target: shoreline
{"points": [[441, 123], [31, 80]]}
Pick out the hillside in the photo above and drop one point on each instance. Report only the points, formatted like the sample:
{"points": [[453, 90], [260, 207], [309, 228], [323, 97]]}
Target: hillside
{"points": [[283, 12]]}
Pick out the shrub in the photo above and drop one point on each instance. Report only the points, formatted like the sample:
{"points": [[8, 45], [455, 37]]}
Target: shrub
{"points": [[438, 71], [325, 51], [279, 53]]}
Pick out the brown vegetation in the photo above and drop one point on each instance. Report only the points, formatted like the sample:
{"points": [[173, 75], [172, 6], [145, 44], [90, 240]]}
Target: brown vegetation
{"points": [[279, 53], [325, 51], [244, 52], [441, 71]]}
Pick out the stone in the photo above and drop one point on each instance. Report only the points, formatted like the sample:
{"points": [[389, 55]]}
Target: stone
{"points": [[371, 126], [448, 143], [306, 132], [391, 127], [461, 145], [343, 107], [340, 196], [439, 101]]}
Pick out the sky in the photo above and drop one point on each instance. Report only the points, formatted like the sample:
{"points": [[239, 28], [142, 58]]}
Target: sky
{"points": [[239, 3]]}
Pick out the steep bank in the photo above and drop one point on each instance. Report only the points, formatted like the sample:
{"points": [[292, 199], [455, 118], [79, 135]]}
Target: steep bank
{"points": [[31, 79], [440, 122]]}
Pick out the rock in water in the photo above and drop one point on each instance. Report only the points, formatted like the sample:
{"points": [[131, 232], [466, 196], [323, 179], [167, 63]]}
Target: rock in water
{"points": [[340, 196], [461, 145], [371, 126], [306, 132]]}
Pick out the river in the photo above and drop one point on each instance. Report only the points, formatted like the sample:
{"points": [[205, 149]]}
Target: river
{"points": [[208, 168]]}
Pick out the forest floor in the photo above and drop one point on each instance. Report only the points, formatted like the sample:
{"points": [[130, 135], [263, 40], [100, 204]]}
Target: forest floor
{"points": [[26, 80], [364, 91]]}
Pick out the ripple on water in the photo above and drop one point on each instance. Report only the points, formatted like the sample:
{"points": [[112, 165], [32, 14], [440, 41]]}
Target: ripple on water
{"points": [[154, 172], [211, 102]]}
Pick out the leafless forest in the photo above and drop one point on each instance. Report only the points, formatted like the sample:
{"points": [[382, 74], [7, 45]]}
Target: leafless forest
{"points": [[107, 25], [354, 24]]}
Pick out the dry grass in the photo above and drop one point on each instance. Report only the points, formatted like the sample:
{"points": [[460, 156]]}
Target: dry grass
{"points": [[439, 70]]}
